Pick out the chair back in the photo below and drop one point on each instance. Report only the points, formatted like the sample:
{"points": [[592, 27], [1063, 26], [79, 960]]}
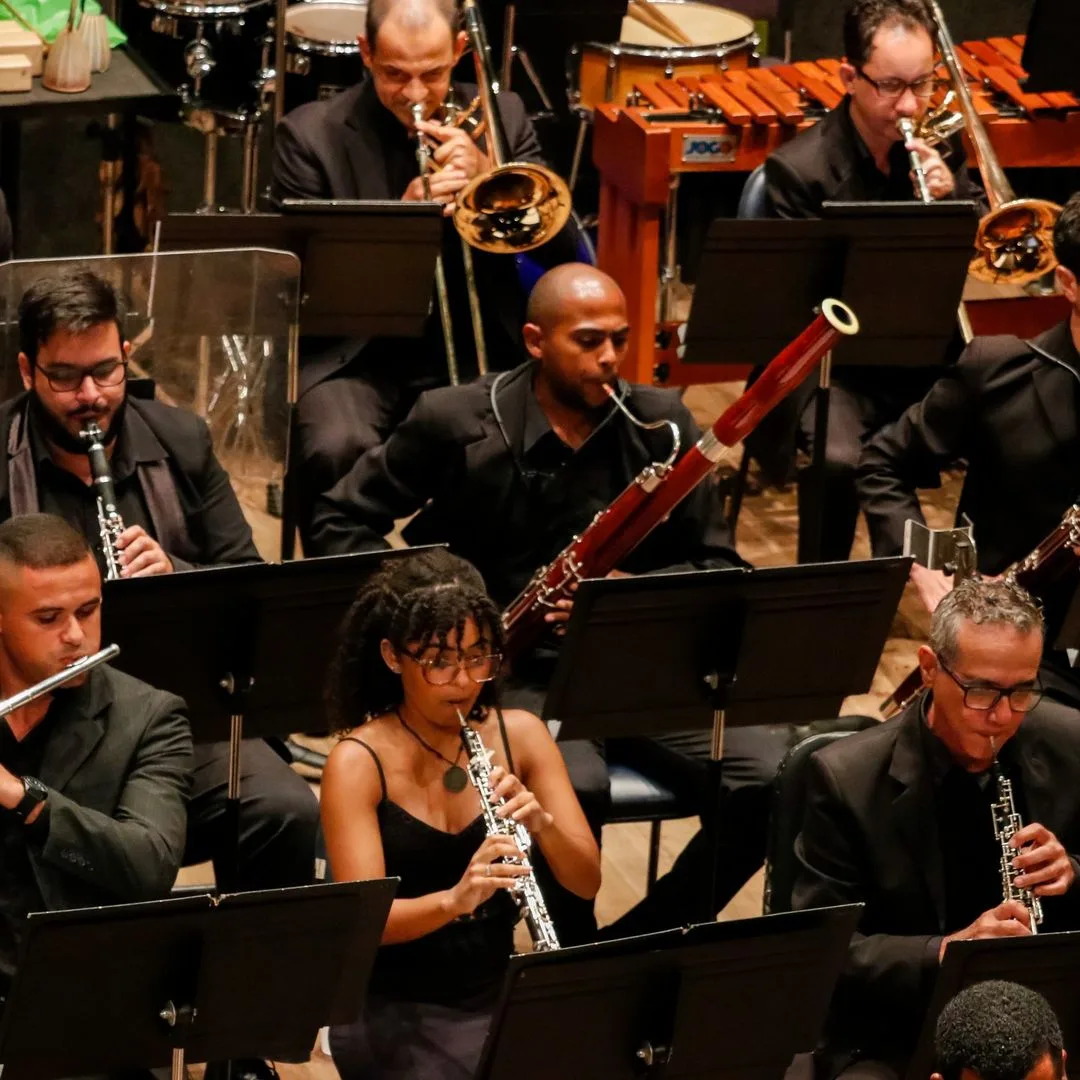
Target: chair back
{"points": [[753, 202]]}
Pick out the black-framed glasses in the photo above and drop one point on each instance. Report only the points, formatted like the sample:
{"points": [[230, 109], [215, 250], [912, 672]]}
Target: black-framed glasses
{"points": [[64, 379], [893, 88], [1022, 698], [443, 669]]}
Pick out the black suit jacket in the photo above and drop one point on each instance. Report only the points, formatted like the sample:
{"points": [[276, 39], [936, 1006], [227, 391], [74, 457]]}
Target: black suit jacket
{"points": [[457, 459], [830, 162], [117, 764], [870, 836], [196, 516], [1009, 407]]}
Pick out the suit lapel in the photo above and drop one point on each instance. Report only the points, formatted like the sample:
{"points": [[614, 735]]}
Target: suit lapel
{"points": [[916, 819], [367, 159], [1034, 776], [75, 718], [1055, 380]]}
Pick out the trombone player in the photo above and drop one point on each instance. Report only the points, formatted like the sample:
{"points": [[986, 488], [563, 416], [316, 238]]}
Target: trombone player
{"points": [[857, 154], [362, 144]]}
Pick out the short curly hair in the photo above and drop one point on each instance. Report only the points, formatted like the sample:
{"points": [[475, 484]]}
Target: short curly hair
{"points": [[999, 1030], [982, 602], [414, 599]]}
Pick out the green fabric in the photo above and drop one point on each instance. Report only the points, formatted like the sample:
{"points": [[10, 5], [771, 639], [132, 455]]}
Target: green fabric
{"points": [[49, 17]]}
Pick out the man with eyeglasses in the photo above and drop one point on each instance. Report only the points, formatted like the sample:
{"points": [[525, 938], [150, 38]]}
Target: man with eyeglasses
{"points": [[898, 818], [856, 154], [180, 512]]}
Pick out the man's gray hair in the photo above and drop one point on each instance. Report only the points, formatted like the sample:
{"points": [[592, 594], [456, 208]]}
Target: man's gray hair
{"points": [[414, 14], [984, 603]]}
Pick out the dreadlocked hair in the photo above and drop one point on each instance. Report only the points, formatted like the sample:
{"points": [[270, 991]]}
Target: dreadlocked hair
{"points": [[414, 602]]}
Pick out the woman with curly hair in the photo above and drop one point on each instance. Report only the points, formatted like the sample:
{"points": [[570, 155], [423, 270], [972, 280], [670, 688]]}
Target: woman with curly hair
{"points": [[422, 643]]}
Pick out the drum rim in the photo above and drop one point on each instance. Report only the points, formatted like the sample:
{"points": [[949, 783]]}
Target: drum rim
{"points": [[675, 52], [234, 9], [320, 46]]}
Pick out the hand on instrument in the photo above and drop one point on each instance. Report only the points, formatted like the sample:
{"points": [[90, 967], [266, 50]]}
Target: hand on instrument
{"points": [[141, 555], [1008, 919], [455, 148], [444, 188], [931, 585], [939, 178], [521, 804], [485, 875], [1047, 868], [561, 615]]}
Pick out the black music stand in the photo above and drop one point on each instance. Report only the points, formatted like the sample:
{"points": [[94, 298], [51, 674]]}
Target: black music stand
{"points": [[1050, 49], [367, 266], [1048, 963], [900, 266], [722, 1000], [247, 647], [207, 979], [665, 653]]}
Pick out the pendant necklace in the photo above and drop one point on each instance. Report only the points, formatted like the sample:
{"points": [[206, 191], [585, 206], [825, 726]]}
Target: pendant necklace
{"points": [[455, 779]]}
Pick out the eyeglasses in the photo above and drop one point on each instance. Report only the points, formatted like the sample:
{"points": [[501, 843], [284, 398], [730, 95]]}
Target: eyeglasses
{"points": [[1022, 698], [64, 379], [894, 88], [443, 669]]}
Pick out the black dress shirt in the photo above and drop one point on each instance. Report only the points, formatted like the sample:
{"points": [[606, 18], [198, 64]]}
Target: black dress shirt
{"points": [[19, 892], [491, 479]]}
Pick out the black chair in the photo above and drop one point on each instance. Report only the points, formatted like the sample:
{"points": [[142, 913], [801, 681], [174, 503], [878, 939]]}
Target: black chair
{"points": [[789, 803], [637, 797]]}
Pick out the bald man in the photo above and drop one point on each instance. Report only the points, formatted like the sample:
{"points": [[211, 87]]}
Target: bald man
{"points": [[361, 144], [507, 470]]}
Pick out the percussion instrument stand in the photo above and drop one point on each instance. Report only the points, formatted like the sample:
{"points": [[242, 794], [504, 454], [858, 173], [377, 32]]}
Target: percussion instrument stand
{"points": [[669, 273], [512, 51], [212, 125]]}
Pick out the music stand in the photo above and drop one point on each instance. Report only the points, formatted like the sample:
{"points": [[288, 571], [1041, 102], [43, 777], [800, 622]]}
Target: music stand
{"points": [[367, 266], [1048, 963], [247, 647], [666, 653], [1050, 49], [207, 979], [724, 1000], [900, 266]]}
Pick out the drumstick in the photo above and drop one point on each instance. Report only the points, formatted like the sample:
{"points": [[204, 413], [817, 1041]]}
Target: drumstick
{"points": [[650, 15], [20, 20]]}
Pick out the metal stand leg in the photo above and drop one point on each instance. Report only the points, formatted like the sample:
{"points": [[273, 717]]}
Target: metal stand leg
{"points": [[447, 322], [210, 151], [579, 149], [475, 314], [508, 46], [250, 183], [232, 805], [812, 529], [963, 321], [716, 756], [670, 272]]}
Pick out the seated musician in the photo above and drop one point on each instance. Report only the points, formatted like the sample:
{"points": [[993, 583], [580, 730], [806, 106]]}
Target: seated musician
{"points": [[180, 512], [422, 644], [997, 1030], [1007, 408], [899, 818], [93, 776], [507, 470], [362, 144], [856, 154]]}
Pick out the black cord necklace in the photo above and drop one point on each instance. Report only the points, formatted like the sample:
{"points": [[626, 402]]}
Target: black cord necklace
{"points": [[455, 779]]}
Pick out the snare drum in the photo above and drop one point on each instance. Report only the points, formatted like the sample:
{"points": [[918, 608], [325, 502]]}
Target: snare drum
{"points": [[212, 52], [607, 73], [323, 53]]}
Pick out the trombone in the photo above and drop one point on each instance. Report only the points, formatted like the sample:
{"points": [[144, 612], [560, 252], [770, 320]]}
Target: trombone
{"points": [[1014, 242]]}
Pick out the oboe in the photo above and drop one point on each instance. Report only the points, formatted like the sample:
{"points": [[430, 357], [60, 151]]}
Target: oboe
{"points": [[526, 891], [110, 523], [1007, 824]]}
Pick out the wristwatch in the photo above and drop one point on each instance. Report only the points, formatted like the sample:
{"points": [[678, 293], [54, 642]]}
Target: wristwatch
{"points": [[36, 794]]}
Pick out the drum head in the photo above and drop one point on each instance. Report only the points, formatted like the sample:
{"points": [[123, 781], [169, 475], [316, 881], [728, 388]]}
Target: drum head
{"points": [[702, 23], [334, 23], [211, 11]]}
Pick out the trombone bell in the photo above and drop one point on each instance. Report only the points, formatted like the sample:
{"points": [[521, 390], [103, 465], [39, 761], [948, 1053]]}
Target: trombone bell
{"points": [[512, 208], [1015, 242]]}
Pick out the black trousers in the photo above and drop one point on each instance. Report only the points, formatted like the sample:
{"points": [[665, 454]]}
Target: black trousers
{"points": [[735, 819], [279, 816], [348, 412], [859, 404]]}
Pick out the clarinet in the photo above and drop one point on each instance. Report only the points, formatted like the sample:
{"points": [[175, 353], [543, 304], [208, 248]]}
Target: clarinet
{"points": [[526, 892], [1007, 824], [110, 523]]}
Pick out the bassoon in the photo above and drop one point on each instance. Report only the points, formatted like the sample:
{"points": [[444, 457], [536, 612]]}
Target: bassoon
{"points": [[1036, 573], [659, 488]]}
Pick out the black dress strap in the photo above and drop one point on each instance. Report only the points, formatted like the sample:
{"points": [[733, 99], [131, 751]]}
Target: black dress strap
{"points": [[505, 741], [374, 757]]}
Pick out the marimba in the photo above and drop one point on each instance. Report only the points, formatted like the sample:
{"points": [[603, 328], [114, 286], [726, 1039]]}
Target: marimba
{"points": [[731, 121]]}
